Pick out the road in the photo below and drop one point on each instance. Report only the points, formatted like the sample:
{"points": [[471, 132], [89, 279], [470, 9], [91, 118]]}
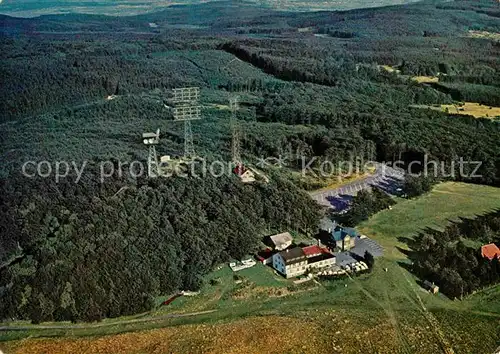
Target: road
{"points": [[386, 178]]}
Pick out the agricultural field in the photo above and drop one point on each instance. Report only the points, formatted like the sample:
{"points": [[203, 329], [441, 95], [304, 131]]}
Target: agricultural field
{"points": [[386, 311], [425, 79], [474, 109]]}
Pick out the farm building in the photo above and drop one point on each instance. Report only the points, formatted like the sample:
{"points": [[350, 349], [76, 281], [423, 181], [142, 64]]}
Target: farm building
{"points": [[237, 265], [490, 251], [297, 261], [343, 238], [281, 241]]}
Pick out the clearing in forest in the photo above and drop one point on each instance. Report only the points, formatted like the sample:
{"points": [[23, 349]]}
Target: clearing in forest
{"points": [[484, 34], [477, 110], [420, 79]]}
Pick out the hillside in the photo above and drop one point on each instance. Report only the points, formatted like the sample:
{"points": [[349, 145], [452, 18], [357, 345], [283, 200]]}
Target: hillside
{"points": [[79, 90], [33, 8]]}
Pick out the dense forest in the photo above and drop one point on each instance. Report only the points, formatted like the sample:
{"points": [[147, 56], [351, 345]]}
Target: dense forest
{"points": [[89, 250], [84, 88], [452, 258]]}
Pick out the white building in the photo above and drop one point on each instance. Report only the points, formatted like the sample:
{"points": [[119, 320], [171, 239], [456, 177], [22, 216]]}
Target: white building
{"points": [[297, 261]]}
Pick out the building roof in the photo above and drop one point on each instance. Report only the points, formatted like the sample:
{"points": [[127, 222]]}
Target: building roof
{"points": [[490, 251], [342, 232], [339, 235], [430, 285], [281, 239], [344, 258], [367, 244], [314, 250], [293, 255], [326, 224], [350, 231], [239, 170]]}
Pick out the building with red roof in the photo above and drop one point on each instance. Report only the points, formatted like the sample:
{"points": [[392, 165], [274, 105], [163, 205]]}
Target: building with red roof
{"points": [[490, 251], [297, 261], [314, 250]]}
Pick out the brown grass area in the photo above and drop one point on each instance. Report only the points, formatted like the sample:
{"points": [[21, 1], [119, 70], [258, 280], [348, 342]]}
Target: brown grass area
{"points": [[271, 334], [419, 79], [484, 34], [468, 108], [259, 291], [425, 79], [390, 69]]}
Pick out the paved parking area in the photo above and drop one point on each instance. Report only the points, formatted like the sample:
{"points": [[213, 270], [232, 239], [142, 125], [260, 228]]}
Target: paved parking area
{"points": [[386, 178], [367, 244]]}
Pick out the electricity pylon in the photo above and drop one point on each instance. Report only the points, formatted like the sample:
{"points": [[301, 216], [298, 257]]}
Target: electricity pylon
{"points": [[186, 109], [151, 140], [235, 133]]}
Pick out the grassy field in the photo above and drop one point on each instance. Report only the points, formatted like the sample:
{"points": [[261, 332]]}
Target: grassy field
{"points": [[425, 79], [484, 34], [419, 79], [382, 312], [476, 110], [445, 203]]}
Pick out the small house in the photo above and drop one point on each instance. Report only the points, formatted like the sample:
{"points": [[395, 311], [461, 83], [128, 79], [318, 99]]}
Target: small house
{"points": [[265, 256], [345, 238], [490, 251], [281, 241], [431, 287], [246, 175]]}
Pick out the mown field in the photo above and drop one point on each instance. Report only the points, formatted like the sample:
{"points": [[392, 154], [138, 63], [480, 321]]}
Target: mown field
{"points": [[382, 312], [473, 109]]}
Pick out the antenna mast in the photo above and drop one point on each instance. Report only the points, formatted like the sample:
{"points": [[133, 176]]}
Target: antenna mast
{"points": [[235, 143], [151, 140]]}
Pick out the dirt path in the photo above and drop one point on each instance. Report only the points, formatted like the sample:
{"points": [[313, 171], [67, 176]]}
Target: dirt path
{"points": [[103, 324], [386, 306], [445, 345]]}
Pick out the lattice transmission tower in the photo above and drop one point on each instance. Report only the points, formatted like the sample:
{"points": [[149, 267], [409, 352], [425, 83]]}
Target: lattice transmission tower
{"points": [[186, 109], [235, 132]]}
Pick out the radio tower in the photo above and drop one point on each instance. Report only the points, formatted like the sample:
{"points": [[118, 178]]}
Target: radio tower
{"points": [[151, 140], [186, 109], [235, 133]]}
